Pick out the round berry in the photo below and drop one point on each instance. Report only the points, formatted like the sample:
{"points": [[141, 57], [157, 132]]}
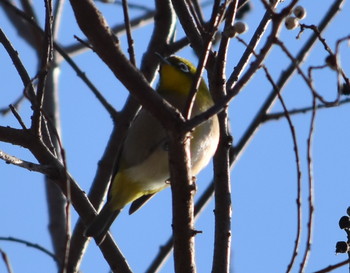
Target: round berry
{"points": [[299, 12], [240, 27], [291, 22]]}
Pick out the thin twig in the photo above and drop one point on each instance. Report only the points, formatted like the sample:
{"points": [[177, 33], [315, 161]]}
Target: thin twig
{"points": [[310, 190], [207, 41], [256, 38], [332, 267], [307, 79], [83, 42], [25, 78], [189, 25], [4, 111], [18, 117], [337, 49], [46, 58], [303, 110], [110, 109], [141, 20], [30, 244], [298, 169], [319, 36], [6, 261], [22, 72], [222, 180], [243, 81], [286, 114], [30, 166], [131, 50]]}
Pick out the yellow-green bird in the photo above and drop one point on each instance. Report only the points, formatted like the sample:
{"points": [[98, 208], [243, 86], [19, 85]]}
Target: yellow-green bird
{"points": [[143, 167]]}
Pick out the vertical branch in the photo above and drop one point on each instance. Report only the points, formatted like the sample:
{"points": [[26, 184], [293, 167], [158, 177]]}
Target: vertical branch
{"points": [[46, 55], [298, 168], [182, 188], [58, 208], [311, 190], [222, 182], [223, 211]]}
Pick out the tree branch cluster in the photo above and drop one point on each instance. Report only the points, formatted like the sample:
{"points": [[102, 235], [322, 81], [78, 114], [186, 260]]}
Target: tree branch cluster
{"points": [[42, 137]]}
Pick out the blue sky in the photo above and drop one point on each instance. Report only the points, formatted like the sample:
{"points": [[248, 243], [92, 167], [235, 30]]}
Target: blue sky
{"points": [[263, 180]]}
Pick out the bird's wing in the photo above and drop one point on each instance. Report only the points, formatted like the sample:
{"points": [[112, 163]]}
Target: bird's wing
{"points": [[145, 135]]}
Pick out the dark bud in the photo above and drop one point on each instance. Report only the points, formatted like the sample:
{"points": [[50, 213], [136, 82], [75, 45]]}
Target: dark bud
{"points": [[345, 90], [344, 222], [332, 62], [341, 247]]}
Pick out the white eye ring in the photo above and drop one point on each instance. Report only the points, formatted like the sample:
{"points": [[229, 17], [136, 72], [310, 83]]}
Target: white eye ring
{"points": [[183, 67]]}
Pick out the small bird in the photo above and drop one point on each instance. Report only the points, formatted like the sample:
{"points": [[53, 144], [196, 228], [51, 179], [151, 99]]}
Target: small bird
{"points": [[143, 167]]}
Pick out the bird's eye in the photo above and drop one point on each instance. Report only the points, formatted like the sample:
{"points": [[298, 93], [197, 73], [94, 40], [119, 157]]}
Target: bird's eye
{"points": [[183, 67]]}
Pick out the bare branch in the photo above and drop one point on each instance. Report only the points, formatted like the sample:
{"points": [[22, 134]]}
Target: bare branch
{"points": [[18, 117], [6, 261], [310, 189], [141, 20], [113, 113], [298, 169], [128, 32], [182, 188], [222, 180], [18, 64], [308, 80], [100, 35], [304, 110], [332, 267], [9, 159], [30, 244], [256, 38], [192, 30], [15, 105], [301, 56]]}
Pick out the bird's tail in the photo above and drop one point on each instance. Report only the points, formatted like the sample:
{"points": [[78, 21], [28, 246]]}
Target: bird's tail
{"points": [[100, 225]]}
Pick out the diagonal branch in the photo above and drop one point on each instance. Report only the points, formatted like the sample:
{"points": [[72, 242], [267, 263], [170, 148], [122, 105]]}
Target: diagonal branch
{"points": [[30, 166], [59, 176], [107, 47]]}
